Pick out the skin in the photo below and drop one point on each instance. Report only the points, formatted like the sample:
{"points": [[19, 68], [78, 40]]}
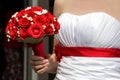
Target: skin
{"points": [[76, 7]]}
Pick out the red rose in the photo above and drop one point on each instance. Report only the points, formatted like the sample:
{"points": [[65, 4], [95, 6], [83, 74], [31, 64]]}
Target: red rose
{"points": [[49, 30], [24, 22], [30, 13], [10, 26], [36, 8], [50, 17], [20, 14], [40, 19], [36, 31], [56, 26], [13, 33], [23, 33], [13, 21]]}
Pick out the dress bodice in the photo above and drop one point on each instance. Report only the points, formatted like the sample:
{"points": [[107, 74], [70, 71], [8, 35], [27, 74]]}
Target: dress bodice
{"points": [[97, 29]]}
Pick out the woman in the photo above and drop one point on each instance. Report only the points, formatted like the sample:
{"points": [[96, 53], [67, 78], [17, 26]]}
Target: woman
{"points": [[88, 41]]}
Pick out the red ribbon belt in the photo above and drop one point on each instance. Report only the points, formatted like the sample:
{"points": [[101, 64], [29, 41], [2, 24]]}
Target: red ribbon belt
{"points": [[86, 52]]}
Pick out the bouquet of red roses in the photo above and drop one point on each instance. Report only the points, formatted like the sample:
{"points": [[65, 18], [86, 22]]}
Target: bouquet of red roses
{"points": [[31, 25]]}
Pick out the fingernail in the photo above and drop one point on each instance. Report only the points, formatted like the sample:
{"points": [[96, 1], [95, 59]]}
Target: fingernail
{"points": [[46, 60], [42, 57]]}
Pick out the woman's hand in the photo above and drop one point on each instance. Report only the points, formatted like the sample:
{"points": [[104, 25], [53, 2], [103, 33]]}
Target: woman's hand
{"points": [[39, 64]]}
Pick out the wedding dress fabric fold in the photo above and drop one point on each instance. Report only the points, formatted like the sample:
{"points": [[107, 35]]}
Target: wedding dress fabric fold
{"points": [[95, 30]]}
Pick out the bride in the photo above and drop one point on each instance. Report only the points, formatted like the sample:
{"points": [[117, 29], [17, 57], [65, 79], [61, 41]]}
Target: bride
{"points": [[88, 44]]}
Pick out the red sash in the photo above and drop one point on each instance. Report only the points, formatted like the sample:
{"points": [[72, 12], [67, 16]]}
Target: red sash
{"points": [[86, 52]]}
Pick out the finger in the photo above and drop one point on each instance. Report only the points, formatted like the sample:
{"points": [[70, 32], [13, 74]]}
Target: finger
{"points": [[46, 61], [39, 66], [42, 70], [34, 63], [36, 58]]}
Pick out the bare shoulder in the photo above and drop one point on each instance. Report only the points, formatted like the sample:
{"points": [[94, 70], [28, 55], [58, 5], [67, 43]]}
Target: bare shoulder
{"points": [[58, 7], [59, 1]]}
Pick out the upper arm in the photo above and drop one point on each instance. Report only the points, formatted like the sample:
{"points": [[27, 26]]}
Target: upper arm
{"points": [[58, 7]]}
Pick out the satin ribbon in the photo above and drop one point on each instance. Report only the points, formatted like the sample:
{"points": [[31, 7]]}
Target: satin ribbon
{"points": [[38, 49], [86, 52]]}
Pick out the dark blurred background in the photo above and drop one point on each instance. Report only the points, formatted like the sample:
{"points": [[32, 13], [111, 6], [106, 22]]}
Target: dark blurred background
{"points": [[11, 59]]}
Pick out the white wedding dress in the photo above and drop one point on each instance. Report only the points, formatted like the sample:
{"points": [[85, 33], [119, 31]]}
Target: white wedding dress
{"points": [[97, 29]]}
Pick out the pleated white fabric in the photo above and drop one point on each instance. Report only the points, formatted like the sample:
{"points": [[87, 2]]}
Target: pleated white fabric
{"points": [[97, 29]]}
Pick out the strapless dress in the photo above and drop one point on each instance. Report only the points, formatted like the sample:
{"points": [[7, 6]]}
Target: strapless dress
{"points": [[97, 30]]}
